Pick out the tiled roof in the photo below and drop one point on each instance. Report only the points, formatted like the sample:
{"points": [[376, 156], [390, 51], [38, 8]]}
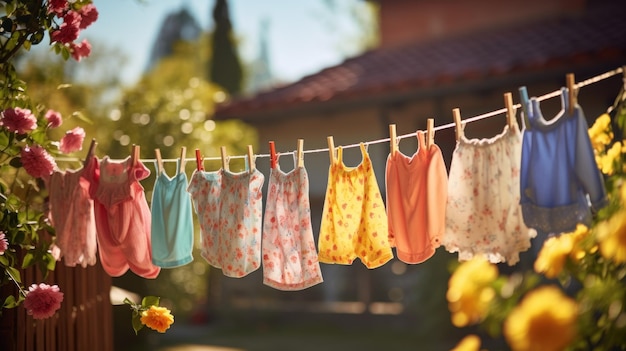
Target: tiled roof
{"points": [[598, 35]]}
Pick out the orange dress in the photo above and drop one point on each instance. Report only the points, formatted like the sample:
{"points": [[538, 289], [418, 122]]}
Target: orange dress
{"points": [[354, 222], [417, 189]]}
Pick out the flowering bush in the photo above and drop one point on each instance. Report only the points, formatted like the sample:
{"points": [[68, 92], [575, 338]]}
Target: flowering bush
{"points": [[575, 297], [26, 151], [150, 314]]}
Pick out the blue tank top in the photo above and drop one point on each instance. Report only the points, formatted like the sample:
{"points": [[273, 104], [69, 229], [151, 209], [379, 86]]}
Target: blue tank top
{"points": [[172, 222]]}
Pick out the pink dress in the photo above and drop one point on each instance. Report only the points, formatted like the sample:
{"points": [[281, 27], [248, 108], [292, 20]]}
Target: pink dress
{"points": [[289, 255], [122, 217], [71, 214]]}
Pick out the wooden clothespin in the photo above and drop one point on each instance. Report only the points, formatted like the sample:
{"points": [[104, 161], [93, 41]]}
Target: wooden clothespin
{"points": [[456, 114], [300, 153], [91, 151], [157, 153], [273, 159], [570, 82], [510, 111], [331, 149], [135, 155], [224, 158], [199, 163], [183, 155], [430, 133], [251, 165], [393, 141]]}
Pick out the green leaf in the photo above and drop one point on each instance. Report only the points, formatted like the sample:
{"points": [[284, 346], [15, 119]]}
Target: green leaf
{"points": [[29, 260], [16, 162], [82, 117], [137, 325], [128, 301], [9, 7], [65, 53], [14, 274], [27, 45], [10, 302], [51, 261], [150, 301], [4, 260]]}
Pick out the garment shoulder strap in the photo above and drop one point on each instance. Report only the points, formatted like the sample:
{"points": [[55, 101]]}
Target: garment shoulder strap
{"points": [[339, 158], [420, 141]]}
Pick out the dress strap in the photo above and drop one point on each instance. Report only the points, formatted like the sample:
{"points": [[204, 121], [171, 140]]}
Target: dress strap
{"points": [[339, 155], [420, 140], [564, 99]]}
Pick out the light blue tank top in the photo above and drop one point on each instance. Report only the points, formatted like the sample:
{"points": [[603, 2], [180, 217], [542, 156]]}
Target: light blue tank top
{"points": [[172, 222]]}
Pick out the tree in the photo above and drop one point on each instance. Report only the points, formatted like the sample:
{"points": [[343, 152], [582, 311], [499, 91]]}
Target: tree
{"points": [[225, 69], [173, 102]]}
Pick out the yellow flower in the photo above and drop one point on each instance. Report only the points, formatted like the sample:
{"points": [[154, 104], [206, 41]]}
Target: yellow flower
{"points": [[468, 343], [553, 254], [157, 318], [470, 291], [612, 237], [545, 320], [600, 132], [607, 162]]}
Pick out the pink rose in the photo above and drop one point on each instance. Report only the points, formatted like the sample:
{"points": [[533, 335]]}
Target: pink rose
{"points": [[89, 14], [72, 141], [37, 161], [18, 120], [54, 118], [4, 243], [68, 30], [80, 50], [57, 6], [42, 301]]}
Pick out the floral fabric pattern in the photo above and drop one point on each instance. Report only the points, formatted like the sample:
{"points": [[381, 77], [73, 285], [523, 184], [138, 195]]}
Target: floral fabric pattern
{"points": [[483, 215], [289, 256], [229, 209]]}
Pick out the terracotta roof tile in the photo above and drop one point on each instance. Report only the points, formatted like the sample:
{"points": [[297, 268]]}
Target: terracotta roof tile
{"points": [[601, 33]]}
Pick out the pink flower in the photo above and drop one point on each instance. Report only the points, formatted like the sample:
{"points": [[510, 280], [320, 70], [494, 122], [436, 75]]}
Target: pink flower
{"points": [[57, 6], [19, 120], [43, 300], [68, 30], [89, 14], [54, 118], [80, 50], [37, 161], [73, 140], [4, 243]]}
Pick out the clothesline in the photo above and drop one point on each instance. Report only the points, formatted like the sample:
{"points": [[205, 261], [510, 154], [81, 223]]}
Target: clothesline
{"points": [[494, 113]]}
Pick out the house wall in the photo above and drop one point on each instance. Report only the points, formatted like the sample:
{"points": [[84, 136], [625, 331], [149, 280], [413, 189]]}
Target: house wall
{"points": [[404, 21]]}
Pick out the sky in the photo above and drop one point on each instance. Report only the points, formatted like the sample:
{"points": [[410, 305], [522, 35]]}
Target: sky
{"points": [[304, 35]]}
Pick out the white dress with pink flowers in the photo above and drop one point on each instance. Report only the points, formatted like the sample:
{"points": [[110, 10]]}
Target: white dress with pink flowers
{"points": [[483, 215]]}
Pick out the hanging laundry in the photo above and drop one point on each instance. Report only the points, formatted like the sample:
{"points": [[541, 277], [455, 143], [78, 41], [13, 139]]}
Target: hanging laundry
{"points": [[122, 216], [290, 259], [559, 175], [172, 221], [416, 201], [229, 208], [483, 215], [354, 222], [71, 214]]}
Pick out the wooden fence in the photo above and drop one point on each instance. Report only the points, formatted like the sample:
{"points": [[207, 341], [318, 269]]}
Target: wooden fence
{"points": [[84, 321]]}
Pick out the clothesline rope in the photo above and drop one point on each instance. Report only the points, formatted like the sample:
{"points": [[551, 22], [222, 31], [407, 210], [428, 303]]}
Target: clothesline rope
{"points": [[498, 112]]}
